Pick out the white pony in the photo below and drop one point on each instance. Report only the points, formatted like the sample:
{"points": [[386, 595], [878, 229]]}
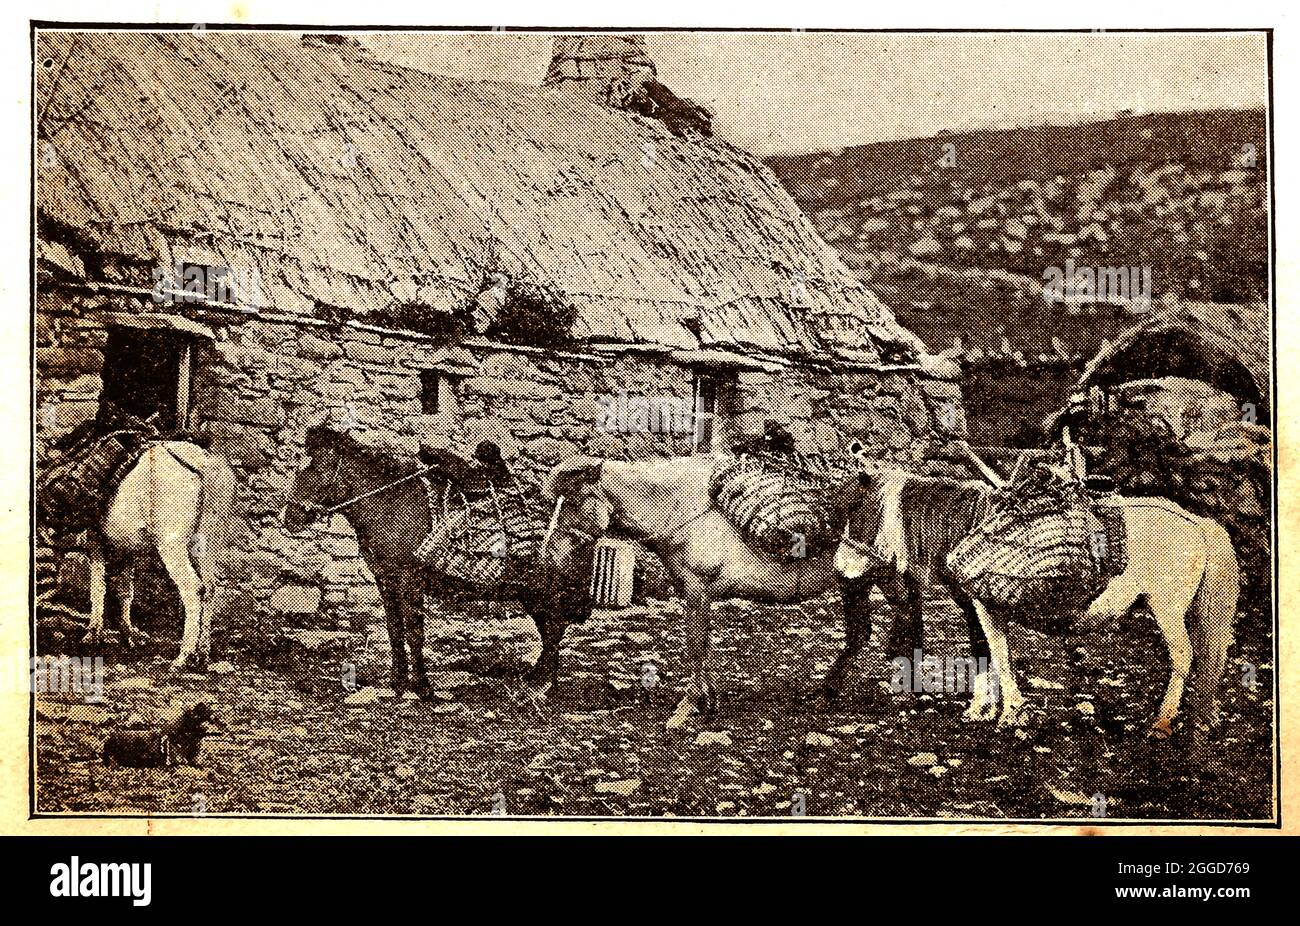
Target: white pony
{"points": [[176, 499], [1183, 566]]}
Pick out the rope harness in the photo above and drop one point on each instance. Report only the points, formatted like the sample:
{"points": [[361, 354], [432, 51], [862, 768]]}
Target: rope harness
{"points": [[438, 548], [321, 511]]}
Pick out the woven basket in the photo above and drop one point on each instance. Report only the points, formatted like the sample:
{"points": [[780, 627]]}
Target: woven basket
{"points": [[1034, 548], [478, 541], [780, 505], [73, 491]]}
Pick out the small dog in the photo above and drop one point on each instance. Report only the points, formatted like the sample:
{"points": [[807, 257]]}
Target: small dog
{"points": [[171, 744]]}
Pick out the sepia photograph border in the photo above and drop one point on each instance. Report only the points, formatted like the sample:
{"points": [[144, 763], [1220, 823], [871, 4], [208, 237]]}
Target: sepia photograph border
{"points": [[11, 633]]}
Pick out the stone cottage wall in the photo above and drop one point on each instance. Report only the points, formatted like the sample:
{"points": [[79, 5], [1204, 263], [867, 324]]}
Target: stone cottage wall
{"points": [[263, 382]]}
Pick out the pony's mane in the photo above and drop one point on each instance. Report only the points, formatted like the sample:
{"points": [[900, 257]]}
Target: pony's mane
{"points": [[372, 452], [938, 512], [923, 517], [941, 497]]}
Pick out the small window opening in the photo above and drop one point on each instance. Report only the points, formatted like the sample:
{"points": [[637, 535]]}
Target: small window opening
{"points": [[430, 392], [705, 407], [437, 393]]}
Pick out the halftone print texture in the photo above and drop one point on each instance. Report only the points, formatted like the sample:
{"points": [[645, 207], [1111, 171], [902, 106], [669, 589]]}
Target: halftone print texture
{"points": [[569, 425]]}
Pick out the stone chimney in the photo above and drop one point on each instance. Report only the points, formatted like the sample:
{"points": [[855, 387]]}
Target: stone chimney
{"points": [[603, 65], [616, 70]]}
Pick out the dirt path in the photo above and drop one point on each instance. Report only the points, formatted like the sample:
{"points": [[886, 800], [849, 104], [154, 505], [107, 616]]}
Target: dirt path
{"points": [[598, 745]]}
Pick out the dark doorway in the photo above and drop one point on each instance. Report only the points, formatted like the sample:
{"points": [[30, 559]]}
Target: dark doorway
{"points": [[147, 373]]}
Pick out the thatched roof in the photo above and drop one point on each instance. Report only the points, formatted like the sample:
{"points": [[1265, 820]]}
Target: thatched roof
{"points": [[1226, 345], [358, 184]]}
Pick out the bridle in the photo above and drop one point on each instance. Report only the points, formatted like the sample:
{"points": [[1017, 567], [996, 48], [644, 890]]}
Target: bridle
{"points": [[650, 538], [314, 511], [317, 511], [585, 538]]}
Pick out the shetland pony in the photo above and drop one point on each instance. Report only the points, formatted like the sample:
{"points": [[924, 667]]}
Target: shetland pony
{"points": [[665, 504], [177, 499], [388, 507], [1182, 566], [1179, 564]]}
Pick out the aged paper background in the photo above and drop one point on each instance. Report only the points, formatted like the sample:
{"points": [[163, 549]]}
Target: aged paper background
{"points": [[14, 341]]}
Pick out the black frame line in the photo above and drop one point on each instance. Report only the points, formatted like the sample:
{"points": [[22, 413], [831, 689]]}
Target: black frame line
{"points": [[1268, 31]]}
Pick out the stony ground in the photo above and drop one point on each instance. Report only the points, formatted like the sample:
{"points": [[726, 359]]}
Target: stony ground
{"points": [[299, 741]]}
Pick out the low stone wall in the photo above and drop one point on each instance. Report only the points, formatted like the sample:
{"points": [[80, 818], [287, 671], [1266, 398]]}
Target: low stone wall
{"points": [[1187, 441]]}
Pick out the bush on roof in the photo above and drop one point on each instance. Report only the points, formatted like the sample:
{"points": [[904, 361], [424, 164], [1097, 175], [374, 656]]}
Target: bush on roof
{"points": [[534, 315], [442, 325], [516, 310]]}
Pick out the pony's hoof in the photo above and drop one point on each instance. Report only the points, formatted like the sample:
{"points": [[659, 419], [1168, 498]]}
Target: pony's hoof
{"points": [[1207, 718], [539, 681], [1011, 717], [524, 693], [93, 637], [188, 662], [539, 675], [135, 637], [822, 699], [1162, 729], [980, 713], [681, 717]]}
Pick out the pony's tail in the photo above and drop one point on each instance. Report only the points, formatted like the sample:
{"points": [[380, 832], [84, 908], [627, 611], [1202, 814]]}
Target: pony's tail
{"points": [[216, 524], [1214, 614]]}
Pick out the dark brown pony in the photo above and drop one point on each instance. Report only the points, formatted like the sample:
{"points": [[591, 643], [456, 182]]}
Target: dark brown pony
{"points": [[899, 538], [390, 526]]}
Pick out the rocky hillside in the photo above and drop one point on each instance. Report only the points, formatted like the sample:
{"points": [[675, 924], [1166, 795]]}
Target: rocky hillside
{"points": [[1182, 193]]}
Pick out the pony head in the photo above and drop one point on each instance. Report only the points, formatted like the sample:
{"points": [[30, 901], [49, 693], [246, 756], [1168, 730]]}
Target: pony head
{"points": [[316, 484], [585, 507]]}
